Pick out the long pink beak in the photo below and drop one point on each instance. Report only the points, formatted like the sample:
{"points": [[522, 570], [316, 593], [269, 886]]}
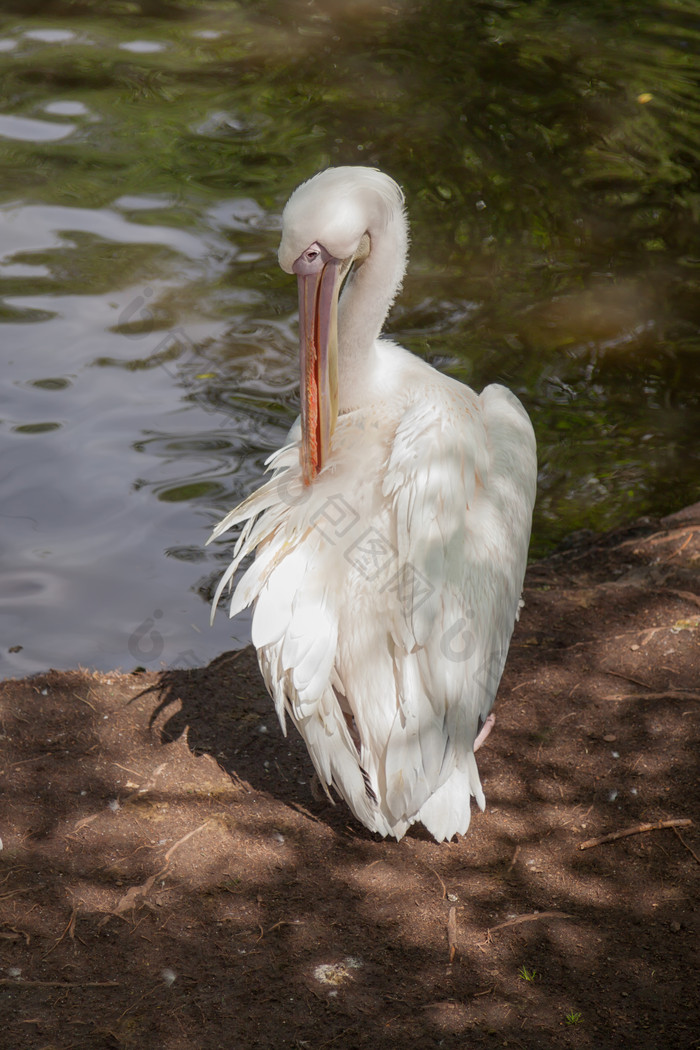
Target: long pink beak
{"points": [[318, 275]]}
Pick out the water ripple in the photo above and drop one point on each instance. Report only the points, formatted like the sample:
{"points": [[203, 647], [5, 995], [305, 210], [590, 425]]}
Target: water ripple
{"points": [[28, 129], [50, 36]]}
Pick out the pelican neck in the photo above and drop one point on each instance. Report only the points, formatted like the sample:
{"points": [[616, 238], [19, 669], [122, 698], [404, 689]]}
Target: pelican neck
{"points": [[364, 305]]}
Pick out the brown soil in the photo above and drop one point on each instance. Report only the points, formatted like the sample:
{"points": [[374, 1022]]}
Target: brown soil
{"points": [[160, 889]]}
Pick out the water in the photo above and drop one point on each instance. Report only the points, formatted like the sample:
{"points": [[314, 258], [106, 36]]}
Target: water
{"points": [[550, 157]]}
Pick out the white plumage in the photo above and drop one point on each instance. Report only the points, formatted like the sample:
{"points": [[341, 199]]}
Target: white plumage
{"points": [[391, 551]]}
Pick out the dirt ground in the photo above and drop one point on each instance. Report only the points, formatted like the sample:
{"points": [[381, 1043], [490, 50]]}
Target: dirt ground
{"points": [[169, 880]]}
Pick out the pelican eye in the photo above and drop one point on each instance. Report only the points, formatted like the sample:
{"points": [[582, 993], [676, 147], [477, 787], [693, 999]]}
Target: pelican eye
{"points": [[311, 260]]}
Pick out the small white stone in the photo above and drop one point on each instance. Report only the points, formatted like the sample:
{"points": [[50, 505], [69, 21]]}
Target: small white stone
{"points": [[337, 973]]}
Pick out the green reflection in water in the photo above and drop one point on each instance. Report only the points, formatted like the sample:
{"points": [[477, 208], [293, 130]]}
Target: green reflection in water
{"points": [[549, 153], [184, 493], [51, 384], [36, 428]]}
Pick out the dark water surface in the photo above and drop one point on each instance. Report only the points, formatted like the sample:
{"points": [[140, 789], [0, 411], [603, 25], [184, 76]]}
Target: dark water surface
{"points": [[550, 154]]}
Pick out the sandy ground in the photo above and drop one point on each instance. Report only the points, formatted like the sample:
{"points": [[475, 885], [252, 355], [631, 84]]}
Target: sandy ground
{"points": [[168, 878]]}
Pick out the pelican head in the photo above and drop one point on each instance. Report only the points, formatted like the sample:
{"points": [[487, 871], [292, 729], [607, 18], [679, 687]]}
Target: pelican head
{"points": [[328, 225]]}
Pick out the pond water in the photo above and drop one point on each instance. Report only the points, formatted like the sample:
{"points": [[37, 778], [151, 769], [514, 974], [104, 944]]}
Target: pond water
{"points": [[550, 154]]}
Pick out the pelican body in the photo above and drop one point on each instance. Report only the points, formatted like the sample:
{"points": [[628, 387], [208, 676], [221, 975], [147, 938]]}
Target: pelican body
{"points": [[391, 538]]}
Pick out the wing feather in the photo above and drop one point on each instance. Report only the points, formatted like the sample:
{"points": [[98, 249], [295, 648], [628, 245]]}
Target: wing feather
{"points": [[461, 477]]}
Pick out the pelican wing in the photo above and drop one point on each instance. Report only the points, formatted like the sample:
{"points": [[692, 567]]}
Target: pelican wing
{"points": [[461, 480]]}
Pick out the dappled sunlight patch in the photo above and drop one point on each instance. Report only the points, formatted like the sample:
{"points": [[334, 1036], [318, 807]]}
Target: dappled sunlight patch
{"points": [[380, 879]]}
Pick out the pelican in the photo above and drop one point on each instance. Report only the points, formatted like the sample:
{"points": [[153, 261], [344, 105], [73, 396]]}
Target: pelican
{"points": [[391, 538]]}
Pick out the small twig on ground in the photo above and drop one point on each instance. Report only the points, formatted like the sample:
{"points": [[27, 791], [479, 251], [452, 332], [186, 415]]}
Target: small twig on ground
{"points": [[184, 838], [84, 701], [668, 534], [444, 887], [17, 933], [682, 546], [627, 678], [285, 922], [128, 770], [70, 930], [691, 851], [667, 694], [339, 1035], [513, 860], [638, 829], [137, 894], [452, 932], [132, 895], [135, 1003], [36, 758], [16, 982], [686, 596], [276, 926], [529, 918], [22, 889]]}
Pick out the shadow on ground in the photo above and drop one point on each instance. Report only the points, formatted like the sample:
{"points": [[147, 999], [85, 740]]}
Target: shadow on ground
{"points": [[169, 879]]}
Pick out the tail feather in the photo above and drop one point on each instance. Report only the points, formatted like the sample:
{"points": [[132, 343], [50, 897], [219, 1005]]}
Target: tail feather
{"points": [[448, 810]]}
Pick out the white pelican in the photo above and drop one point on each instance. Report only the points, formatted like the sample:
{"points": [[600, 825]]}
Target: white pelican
{"points": [[392, 536]]}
